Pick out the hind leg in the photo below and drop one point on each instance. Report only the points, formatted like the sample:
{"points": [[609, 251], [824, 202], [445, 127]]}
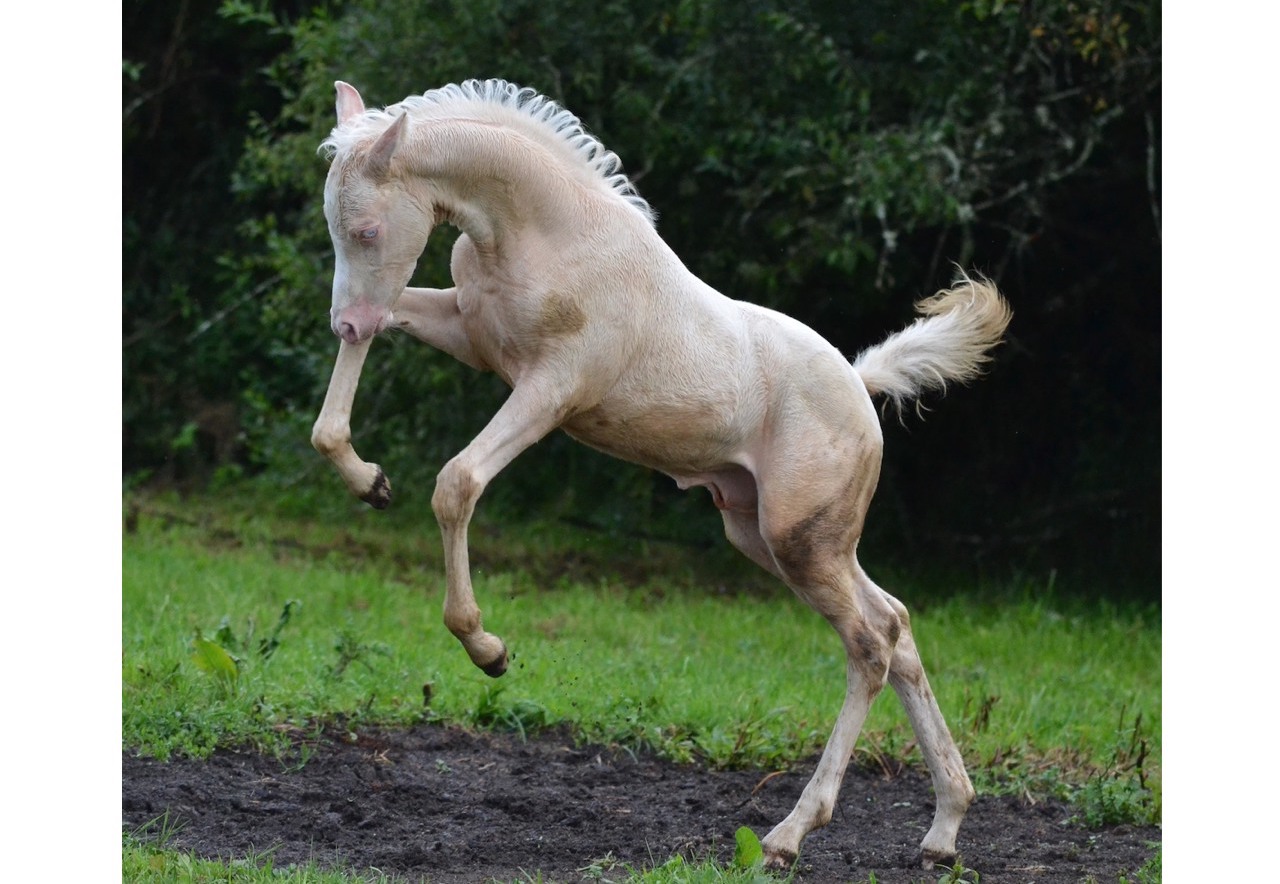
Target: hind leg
{"points": [[876, 631], [951, 784], [868, 629], [742, 527], [806, 534]]}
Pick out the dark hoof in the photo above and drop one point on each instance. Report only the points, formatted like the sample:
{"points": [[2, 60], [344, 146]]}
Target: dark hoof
{"points": [[929, 858], [780, 861], [497, 667], [379, 496]]}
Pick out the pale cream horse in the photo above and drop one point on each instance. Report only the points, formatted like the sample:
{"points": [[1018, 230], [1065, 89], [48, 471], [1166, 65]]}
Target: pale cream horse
{"points": [[564, 288]]}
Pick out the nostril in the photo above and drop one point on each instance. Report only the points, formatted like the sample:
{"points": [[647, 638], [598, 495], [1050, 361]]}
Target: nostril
{"points": [[347, 332]]}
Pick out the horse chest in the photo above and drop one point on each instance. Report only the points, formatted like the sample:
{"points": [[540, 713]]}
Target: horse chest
{"points": [[513, 328]]}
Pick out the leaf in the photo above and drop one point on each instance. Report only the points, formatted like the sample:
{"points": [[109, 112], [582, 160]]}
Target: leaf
{"points": [[747, 852], [224, 636], [268, 646], [211, 657]]}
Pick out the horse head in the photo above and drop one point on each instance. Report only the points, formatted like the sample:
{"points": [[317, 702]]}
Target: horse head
{"points": [[379, 225]]}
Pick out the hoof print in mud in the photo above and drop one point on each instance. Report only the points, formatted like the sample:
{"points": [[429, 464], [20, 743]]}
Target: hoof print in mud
{"points": [[379, 496]]}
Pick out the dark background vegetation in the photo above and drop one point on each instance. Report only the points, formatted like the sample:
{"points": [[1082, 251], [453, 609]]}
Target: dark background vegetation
{"points": [[834, 160]]}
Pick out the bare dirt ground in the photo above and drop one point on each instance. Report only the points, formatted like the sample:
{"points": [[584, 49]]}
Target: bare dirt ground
{"points": [[444, 805]]}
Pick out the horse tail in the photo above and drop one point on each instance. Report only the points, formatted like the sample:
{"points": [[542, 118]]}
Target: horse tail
{"points": [[949, 342]]}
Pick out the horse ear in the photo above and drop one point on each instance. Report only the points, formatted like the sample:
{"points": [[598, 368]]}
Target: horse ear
{"points": [[350, 103], [379, 162]]}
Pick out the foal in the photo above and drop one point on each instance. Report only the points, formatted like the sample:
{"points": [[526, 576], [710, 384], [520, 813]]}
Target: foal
{"points": [[564, 288]]}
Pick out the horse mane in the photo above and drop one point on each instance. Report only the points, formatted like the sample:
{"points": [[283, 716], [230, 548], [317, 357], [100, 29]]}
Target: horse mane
{"points": [[498, 101]]}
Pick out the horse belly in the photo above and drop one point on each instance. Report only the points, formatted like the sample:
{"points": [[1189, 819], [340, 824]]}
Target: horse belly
{"points": [[676, 438]]}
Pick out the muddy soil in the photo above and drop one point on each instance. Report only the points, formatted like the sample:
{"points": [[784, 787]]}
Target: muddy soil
{"points": [[443, 805]]}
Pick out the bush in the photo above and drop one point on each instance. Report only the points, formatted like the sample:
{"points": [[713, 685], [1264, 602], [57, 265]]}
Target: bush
{"points": [[829, 165]]}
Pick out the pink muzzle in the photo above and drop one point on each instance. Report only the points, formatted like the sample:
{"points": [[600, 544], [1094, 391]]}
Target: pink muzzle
{"points": [[360, 321]]}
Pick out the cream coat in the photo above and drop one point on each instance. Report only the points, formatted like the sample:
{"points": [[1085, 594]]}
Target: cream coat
{"points": [[564, 289]]}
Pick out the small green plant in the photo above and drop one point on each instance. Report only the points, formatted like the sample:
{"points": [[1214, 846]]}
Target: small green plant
{"points": [[351, 649], [958, 874], [158, 831], [268, 645], [212, 657], [1120, 794], [222, 656], [1104, 802], [521, 716], [758, 738], [1150, 871], [747, 868], [598, 869], [747, 852]]}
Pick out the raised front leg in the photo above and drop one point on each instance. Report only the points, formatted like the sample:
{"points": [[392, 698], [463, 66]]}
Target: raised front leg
{"points": [[529, 413], [331, 435], [432, 316]]}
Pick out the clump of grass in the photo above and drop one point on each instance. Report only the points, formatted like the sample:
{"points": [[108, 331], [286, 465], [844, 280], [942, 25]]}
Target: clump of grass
{"points": [[1150, 871], [747, 867], [1120, 793], [958, 874], [523, 717], [148, 856], [1107, 787]]}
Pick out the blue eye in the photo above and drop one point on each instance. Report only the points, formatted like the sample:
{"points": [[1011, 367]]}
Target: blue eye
{"points": [[368, 234]]}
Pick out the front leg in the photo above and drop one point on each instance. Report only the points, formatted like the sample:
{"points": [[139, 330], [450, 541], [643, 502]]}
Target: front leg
{"points": [[432, 316], [331, 435], [532, 411]]}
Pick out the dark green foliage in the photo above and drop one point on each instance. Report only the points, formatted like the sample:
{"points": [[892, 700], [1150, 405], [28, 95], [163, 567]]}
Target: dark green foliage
{"points": [[829, 160], [187, 336]]}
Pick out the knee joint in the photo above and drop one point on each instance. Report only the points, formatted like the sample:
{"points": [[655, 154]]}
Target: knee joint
{"points": [[455, 494], [870, 652], [462, 624], [325, 440]]}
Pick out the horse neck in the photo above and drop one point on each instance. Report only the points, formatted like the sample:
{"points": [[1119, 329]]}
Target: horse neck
{"points": [[492, 182]]}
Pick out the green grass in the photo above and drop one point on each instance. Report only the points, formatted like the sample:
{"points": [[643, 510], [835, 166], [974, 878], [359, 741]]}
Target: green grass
{"points": [[147, 860], [245, 625], [145, 863]]}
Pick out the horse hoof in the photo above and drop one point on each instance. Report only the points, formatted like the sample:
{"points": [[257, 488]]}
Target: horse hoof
{"points": [[929, 858], [378, 496], [779, 860], [497, 666]]}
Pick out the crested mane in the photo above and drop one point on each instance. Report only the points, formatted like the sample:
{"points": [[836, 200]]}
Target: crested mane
{"points": [[498, 101]]}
